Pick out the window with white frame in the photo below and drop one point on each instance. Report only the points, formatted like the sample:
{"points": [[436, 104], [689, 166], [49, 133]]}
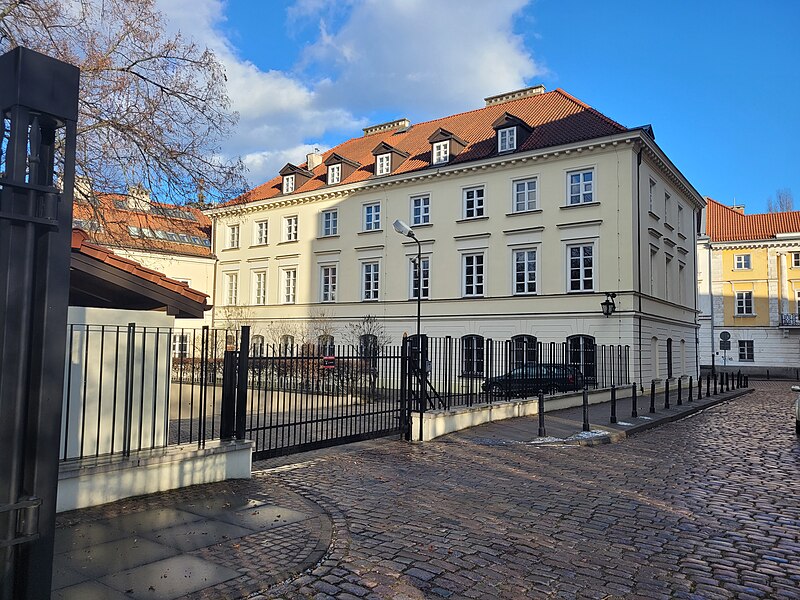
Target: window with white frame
{"points": [[383, 164], [797, 301], [231, 288], [261, 232], [441, 152], [506, 139], [651, 204], [525, 194], [474, 202], [473, 274], [580, 186], [425, 278], [286, 345], [746, 350], [288, 184], [328, 283], [744, 303], [290, 229], [472, 355], [525, 271], [233, 236], [370, 280], [330, 222], [180, 345], [260, 288], [420, 210], [796, 259], [741, 262], [580, 267], [257, 346], [372, 216], [289, 286], [334, 174]]}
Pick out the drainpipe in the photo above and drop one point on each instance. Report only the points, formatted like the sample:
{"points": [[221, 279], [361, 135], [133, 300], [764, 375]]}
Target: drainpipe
{"points": [[639, 257], [711, 304]]}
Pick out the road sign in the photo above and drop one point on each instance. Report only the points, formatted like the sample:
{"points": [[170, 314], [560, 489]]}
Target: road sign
{"points": [[724, 335], [724, 344]]}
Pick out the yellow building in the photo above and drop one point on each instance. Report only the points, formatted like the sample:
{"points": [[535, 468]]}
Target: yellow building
{"points": [[749, 288]]}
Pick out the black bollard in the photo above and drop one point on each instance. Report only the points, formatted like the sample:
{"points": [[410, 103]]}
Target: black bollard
{"points": [[653, 396], [542, 431], [728, 382], [634, 408], [691, 390], [666, 393], [680, 391], [586, 409], [767, 373], [699, 387], [708, 385], [715, 384], [613, 404]]}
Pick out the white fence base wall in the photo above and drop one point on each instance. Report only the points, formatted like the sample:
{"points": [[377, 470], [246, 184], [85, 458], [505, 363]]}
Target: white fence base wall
{"points": [[91, 482]]}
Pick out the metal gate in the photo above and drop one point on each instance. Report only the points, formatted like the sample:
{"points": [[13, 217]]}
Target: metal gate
{"points": [[292, 398]]}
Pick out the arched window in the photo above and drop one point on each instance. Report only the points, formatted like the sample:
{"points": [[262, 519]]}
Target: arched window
{"points": [[669, 358], [287, 345], [368, 345], [654, 358], [257, 347], [230, 342], [582, 355], [325, 345], [523, 350], [472, 355]]}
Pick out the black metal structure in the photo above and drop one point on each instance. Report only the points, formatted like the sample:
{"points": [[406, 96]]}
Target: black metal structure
{"points": [[39, 110]]}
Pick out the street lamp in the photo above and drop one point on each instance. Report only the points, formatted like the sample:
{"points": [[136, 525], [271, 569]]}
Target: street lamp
{"points": [[405, 230], [608, 305]]}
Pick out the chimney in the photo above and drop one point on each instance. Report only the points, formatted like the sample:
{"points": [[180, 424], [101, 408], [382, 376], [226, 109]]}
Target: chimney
{"points": [[313, 160], [739, 208], [138, 198], [515, 95], [399, 124]]}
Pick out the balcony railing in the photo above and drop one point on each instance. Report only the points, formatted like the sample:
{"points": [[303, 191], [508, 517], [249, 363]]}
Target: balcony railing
{"points": [[790, 320]]}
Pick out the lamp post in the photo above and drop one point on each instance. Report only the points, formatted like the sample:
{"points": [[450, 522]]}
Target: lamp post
{"points": [[403, 229], [608, 305]]}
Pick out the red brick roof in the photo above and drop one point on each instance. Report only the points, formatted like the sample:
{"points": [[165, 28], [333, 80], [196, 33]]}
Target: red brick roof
{"points": [[556, 118], [724, 224], [81, 244], [107, 219]]}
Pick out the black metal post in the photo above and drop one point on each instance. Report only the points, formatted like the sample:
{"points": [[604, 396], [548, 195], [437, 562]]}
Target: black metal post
{"points": [[405, 404], [241, 382], [586, 409], [634, 408], [715, 384], [653, 396], [708, 385], [689, 395], [613, 404], [666, 393], [227, 426], [680, 391], [747, 381], [542, 431], [700, 387]]}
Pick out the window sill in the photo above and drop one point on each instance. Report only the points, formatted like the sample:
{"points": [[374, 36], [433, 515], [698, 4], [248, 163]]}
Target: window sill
{"points": [[225, 249], [258, 245], [574, 292], [369, 299], [748, 316], [465, 297], [524, 294], [743, 269], [369, 231], [680, 235], [470, 219], [581, 205], [668, 226], [421, 225], [747, 360], [328, 237], [533, 211], [654, 215]]}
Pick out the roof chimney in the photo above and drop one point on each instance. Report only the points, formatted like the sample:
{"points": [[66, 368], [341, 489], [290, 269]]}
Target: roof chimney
{"points": [[515, 95], [391, 125], [313, 160], [138, 198], [739, 208]]}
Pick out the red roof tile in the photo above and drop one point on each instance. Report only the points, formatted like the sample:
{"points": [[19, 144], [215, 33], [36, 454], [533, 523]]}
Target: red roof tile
{"points": [[556, 118], [724, 224]]}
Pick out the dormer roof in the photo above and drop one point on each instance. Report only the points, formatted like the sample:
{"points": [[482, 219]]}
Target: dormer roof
{"points": [[384, 148], [335, 159], [508, 120], [441, 135], [291, 169]]}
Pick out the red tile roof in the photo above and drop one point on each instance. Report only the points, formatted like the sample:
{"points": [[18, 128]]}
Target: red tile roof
{"points": [[724, 224], [556, 118], [110, 218], [82, 245]]}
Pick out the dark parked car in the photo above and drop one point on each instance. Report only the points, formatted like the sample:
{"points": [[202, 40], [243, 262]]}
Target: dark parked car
{"points": [[530, 378]]}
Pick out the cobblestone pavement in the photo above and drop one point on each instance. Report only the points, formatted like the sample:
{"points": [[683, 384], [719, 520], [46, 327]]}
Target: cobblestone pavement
{"points": [[708, 507]]}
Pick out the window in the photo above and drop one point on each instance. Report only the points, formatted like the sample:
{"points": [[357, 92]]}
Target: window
{"points": [[426, 272], [289, 285], [796, 259], [257, 346], [680, 219], [472, 355], [741, 261], [681, 284], [180, 345], [746, 350], [261, 233], [330, 222], [523, 348], [368, 348], [653, 260], [441, 152], [420, 210], [233, 236], [580, 186], [286, 347], [525, 271], [473, 202], [328, 284], [525, 195], [667, 269], [334, 174], [383, 164], [370, 280], [473, 274], [797, 301], [580, 268], [667, 208], [506, 139], [260, 288], [326, 346], [372, 217], [231, 288], [744, 303], [582, 356], [288, 184], [650, 205], [669, 358], [290, 229]]}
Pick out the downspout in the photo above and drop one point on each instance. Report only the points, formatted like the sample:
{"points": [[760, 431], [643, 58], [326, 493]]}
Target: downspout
{"points": [[711, 304], [639, 258]]}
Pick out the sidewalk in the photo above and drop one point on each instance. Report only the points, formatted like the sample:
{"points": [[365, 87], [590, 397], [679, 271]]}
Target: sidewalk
{"points": [[234, 539]]}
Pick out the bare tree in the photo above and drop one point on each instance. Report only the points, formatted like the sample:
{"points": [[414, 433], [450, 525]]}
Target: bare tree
{"points": [[368, 327], [153, 107], [783, 202]]}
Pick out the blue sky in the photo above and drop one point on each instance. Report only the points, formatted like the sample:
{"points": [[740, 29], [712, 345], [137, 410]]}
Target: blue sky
{"points": [[718, 80]]}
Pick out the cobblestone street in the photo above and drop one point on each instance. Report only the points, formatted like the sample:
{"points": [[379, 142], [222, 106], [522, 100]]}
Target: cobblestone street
{"points": [[708, 507]]}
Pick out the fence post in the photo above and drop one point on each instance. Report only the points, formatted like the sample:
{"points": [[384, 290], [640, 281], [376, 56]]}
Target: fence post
{"points": [[634, 408], [405, 406], [586, 409], [542, 431], [680, 391], [227, 415], [613, 403], [666, 393], [241, 382], [652, 395], [130, 364]]}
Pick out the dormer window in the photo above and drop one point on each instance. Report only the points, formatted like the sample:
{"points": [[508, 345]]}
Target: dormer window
{"points": [[383, 164], [441, 152], [507, 139], [334, 174], [288, 184]]}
